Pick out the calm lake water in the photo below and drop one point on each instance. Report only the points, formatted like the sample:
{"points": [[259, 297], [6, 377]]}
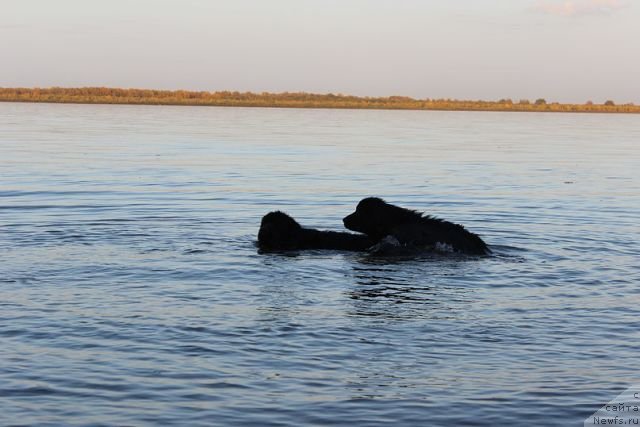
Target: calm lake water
{"points": [[133, 294]]}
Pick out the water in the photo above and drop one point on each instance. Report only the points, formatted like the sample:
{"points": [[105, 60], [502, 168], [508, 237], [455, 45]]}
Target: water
{"points": [[133, 294]]}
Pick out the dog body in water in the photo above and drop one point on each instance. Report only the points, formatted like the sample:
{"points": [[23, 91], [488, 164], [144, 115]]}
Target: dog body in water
{"points": [[396, 229], [280, 232]]}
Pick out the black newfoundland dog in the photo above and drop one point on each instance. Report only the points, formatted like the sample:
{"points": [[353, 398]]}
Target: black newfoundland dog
{"points": [[388, 230], [280, 232], [395, 227]]}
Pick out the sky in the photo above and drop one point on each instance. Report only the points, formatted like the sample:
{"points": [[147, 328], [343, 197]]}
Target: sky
{"points": [[559, 50]]}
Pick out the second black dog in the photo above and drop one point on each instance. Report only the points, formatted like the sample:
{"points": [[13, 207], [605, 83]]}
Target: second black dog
{"points": [[278, 231], [393, 225]]}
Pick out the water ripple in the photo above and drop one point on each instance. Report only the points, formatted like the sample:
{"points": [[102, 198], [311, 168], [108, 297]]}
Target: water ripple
{"points": [[133, 293]]}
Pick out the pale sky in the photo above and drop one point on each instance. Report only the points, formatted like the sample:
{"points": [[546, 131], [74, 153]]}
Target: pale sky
{"points": [[560, 50]]}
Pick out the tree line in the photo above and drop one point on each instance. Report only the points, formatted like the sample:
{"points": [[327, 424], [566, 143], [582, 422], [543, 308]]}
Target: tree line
{"points": [[104, 95]]}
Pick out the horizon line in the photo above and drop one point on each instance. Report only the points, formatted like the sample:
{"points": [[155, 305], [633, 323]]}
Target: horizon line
{"points": [[301, 92], [136, 96]]}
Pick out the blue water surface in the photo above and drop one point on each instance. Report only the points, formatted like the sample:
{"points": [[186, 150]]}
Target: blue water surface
{"points": [[133, 293]]}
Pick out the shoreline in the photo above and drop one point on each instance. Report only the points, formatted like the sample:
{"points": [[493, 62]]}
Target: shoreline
{"points": [[301, 100], [167, 104]]}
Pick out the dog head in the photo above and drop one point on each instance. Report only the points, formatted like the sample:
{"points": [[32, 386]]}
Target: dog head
{"points": [[278, 231], [377, 218], [369, 217]]}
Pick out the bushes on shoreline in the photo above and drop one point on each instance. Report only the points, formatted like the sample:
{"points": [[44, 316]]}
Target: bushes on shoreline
{"points": [[103, 95]]}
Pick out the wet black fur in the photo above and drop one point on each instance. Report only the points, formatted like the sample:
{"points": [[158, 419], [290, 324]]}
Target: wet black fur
{"points": [[379, 219], [278, 231]]}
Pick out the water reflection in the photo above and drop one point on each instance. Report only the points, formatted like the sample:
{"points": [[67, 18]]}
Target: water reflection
{"points": [[408, 288]]}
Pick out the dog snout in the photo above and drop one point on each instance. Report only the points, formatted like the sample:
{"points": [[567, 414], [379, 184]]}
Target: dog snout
{"points": [[349, 221]]}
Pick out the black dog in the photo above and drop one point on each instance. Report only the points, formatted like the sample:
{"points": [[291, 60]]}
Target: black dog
{"points": [[278, 231], [392, 225]]}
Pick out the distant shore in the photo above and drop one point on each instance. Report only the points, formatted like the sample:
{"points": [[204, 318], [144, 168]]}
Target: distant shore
{"points": [[103, 95]]}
